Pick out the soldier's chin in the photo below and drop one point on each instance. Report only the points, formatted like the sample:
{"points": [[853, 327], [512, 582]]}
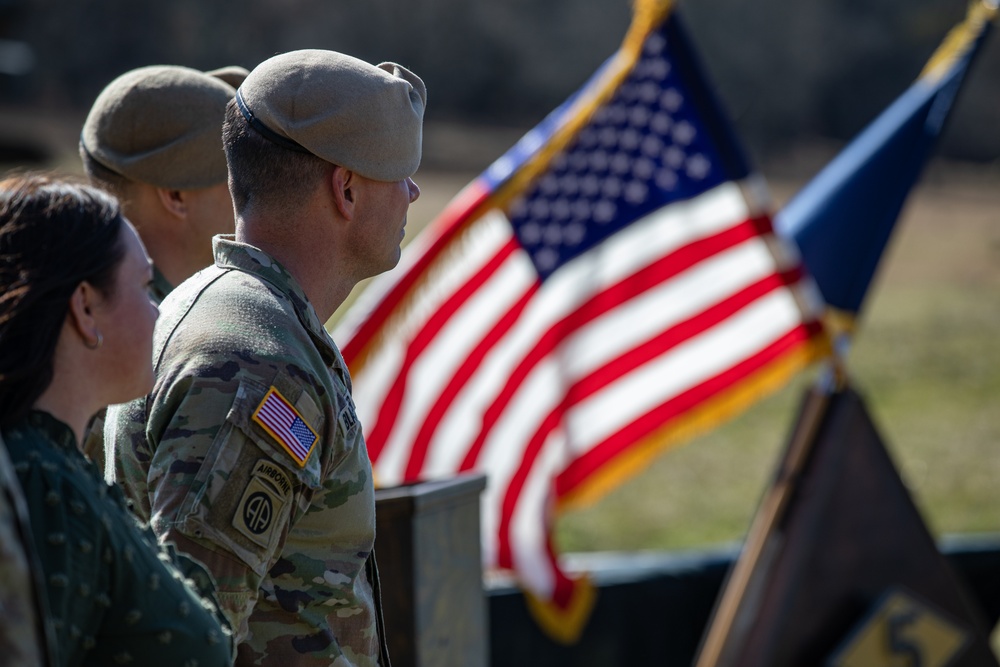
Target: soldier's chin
{"points": [[394, 262]]}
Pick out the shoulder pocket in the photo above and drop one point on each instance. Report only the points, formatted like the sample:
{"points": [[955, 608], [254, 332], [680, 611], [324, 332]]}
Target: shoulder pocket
{"points": [[256, 470]]}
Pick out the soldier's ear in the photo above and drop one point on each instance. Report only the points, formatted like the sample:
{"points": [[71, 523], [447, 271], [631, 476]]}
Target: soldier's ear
{"points": [[344, 184], [173, 201]]}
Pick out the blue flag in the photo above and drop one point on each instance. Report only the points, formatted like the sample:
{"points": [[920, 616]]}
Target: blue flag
{"points": [[842, 219]]}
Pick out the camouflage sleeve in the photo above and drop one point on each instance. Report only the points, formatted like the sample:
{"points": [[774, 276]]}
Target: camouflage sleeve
{"points": [[93, 440], [22, 641], [221, 487]]}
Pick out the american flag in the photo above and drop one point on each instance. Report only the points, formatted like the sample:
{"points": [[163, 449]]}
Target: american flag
{"points": [[608, 287], [284, 423]]}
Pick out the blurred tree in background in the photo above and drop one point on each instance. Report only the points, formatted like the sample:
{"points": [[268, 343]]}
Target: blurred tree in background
{"points": [[788, 72]]}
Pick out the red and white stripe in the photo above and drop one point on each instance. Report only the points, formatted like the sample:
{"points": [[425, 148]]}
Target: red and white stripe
{"points": [[539, 385], [279, 416]]}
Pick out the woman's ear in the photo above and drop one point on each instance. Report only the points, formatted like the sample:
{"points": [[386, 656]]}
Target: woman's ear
{"points": [[345, 186], [81, 318]]}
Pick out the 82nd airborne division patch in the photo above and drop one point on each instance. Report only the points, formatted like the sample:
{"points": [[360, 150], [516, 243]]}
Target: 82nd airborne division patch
{"points": [[262, 503]]}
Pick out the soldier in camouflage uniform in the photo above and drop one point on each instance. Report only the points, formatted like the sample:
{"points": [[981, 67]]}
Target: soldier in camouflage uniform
{"points": [[247, 453], [153, 138], [22, 618]]}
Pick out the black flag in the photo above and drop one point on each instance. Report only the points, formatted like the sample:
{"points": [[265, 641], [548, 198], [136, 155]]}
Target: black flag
{"points": [[839, 568]]}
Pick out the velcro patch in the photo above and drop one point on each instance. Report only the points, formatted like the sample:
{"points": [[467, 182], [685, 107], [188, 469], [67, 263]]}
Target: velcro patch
{"points": [[284, 423], [263, 499]]}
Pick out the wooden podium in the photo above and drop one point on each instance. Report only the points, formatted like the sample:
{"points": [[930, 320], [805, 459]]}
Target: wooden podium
{"points": [[431, 574]]}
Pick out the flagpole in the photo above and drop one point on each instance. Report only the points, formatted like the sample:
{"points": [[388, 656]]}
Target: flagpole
{"points": [[733, 614], [760, 547]]}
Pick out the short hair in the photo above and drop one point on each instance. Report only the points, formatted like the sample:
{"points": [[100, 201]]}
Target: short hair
{"points": [[264, 176], [55, 233]]}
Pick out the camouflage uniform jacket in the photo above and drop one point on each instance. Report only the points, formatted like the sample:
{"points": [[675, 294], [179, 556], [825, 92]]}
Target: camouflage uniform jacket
{"points": [[249, 455], [113, 594], [93, 439], [23, 639]]}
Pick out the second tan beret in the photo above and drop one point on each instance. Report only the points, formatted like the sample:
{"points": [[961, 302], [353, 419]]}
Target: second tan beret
{"points": [[231, 74], [161, 125], [364, 117]]}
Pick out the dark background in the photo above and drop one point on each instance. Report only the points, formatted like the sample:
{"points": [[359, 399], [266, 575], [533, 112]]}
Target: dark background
{"points": [[789, 72]]}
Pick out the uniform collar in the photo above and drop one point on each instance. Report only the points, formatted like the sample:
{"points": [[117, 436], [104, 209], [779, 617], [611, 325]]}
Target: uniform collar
{"points": [[58, 432], [232, 254]]}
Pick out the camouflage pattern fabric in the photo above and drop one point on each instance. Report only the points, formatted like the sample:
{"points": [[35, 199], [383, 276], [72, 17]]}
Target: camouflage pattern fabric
{"points": [[93, 437], [114, 596], [93, 441], [248, 454], [22, 630]]}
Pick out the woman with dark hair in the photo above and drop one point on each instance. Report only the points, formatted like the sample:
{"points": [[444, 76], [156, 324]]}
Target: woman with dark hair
{"points": [[76, 328]]}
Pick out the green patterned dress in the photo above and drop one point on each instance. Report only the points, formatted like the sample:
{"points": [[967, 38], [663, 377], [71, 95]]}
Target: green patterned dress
{"points": [[114, 596]]}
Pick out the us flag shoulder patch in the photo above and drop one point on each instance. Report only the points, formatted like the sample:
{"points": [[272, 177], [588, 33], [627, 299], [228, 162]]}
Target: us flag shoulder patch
{"points": [[283, 422]]}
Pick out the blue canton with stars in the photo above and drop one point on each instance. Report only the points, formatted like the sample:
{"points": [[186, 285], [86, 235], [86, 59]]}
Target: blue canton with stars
{"points": [[302, 433], [661, 138]]}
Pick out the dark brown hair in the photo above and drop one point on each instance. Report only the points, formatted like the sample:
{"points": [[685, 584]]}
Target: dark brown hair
{"points": [[264, 176], [55, 233]]}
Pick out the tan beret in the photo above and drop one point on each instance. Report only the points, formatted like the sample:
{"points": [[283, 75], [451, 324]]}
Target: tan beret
{"points": [[231, 74], [161, 125], [346, 111]]}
